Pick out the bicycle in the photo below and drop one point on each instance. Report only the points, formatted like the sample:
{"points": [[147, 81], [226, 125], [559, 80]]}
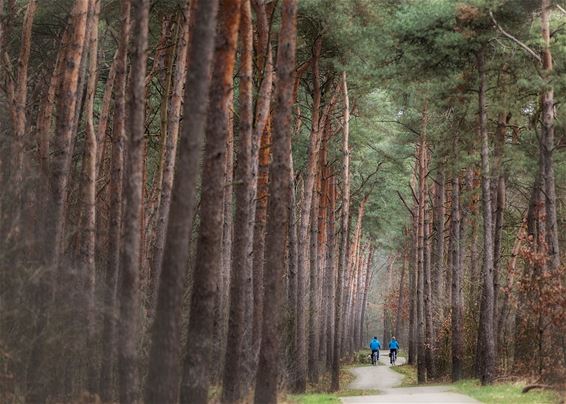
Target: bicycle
{"points": [[374, 358], [393, 356]]}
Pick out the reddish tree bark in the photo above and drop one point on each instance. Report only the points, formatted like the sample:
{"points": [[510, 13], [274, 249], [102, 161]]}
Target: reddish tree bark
{"points": [[196, 367], [240, 323], [278, 210]]}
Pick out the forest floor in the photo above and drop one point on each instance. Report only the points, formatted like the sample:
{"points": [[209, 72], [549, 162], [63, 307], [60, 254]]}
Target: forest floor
{"points": [[385, 380]]}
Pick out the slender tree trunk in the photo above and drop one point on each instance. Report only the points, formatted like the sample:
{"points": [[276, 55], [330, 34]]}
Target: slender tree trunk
{"points": [[398, 315], [169, 156], [486, 340], [343, 252], [438, 240], [292, 282], [166, 334], [457, 296], [313, 315], [223, 299], [330, 271], [66, 101], [133, 204], [429, 334], [18, 91], [88, 192], [413, 280], [547, 143], [421, 347], [195, 384], [261, 198], [104, 116], [240, 323], [303, 263], [278, 210], [499, 207], [115, 221]]}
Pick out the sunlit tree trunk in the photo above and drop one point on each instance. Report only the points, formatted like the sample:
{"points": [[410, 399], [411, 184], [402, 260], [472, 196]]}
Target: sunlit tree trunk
{"points": [[88, 194], [343, 252]]}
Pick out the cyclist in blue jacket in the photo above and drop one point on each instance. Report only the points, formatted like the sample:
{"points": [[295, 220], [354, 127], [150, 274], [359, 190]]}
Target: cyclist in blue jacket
{"points": [[375, 345], [393, 347]]}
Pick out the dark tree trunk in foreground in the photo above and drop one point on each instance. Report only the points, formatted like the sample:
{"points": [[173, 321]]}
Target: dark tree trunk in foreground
{"points": [[133, 202], [200, 344], [238, 350], [166, 333], [278, 211], [486, 340], [343, 250]]}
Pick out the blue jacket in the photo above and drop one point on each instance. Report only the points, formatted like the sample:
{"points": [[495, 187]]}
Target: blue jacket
{"points": [[374, 344], [393, 344]]}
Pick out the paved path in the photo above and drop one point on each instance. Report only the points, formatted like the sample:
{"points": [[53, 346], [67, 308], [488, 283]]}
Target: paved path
{"points": [[385, 380]]}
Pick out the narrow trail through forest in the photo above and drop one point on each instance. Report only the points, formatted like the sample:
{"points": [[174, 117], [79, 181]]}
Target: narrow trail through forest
{"points": [[386, 381]]}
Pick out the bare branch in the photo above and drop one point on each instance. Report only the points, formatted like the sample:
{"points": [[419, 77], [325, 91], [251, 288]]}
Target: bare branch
{"points": [[508, 35], [405, 203]]}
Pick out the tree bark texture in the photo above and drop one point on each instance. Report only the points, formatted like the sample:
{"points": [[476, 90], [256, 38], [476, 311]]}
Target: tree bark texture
{"points": [[195, 382], [278, 210], [343, 249], [486, 346]]}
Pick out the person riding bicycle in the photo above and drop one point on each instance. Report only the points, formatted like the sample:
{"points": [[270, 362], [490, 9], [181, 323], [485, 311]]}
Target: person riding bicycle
{"points": [[393, 347], [374, 345]]}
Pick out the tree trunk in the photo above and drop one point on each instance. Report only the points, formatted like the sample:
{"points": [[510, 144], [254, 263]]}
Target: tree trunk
{"points": [[170, 153], [195, 384], [343, 252], [261, 198], [486, 340], [547, 143], [88, 192], [421, 343], [330, 270], [438, 240], [18, 92], [166, 334], [303, 263], [457, 297], [66, 101], [313, 315], [240, 323], [278, 210], [133, 205], [115, 220], [398, 315]]}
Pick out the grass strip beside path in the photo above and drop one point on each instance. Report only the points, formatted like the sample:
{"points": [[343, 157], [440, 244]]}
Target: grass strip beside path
{"points": [[506, 393]]}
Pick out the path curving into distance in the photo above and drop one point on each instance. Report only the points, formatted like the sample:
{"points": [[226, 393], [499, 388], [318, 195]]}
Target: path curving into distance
{"points": [[385, 380]]}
